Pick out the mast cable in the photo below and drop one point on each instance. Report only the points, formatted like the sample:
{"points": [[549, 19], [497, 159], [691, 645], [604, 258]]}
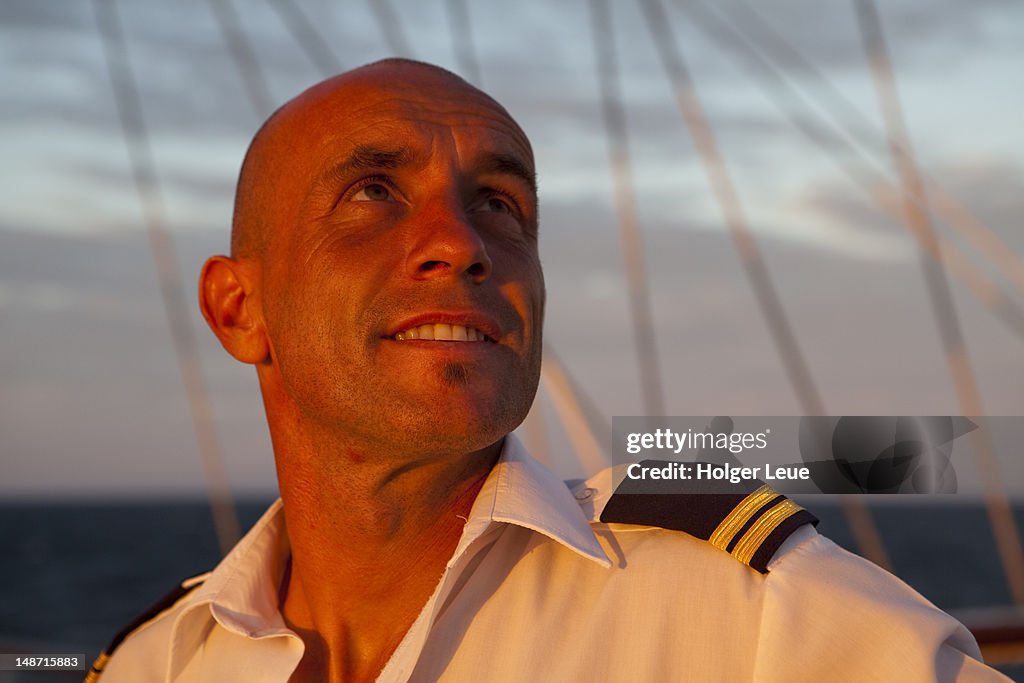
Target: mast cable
{"points": [[784, 95], [252, 79], [950, 331], [147, 186], [795, 366], [572, 414], [309, 39], [765, 39], [616, 133], [463, 44], [390, 27]]}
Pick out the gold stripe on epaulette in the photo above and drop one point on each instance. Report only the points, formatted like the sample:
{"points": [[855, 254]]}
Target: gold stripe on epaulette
{"points": [[97, 668], [740, 515], [762, 529]]}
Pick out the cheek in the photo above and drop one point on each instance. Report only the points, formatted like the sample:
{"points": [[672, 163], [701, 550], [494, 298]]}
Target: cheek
{"points": [[525, 283], [536, 296], [300, 309], [517, 261]]}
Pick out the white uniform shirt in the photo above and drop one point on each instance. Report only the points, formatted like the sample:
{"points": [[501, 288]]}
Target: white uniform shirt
{"points": [[539, 590]]}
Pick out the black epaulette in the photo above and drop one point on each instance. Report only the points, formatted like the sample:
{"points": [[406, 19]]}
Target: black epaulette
{"points": [[154, 610], [750, 524]]}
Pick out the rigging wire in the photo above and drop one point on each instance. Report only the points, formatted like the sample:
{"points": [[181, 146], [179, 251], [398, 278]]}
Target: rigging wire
{"points": [[147, 186], [571, 412], [858, 128], [599, 426], [534, 430], [462, 40], [950, 331], [616, 133], [390, 27], [795, 366], [830, 138], [725, 193], [252, 80], [937, 249], [244, 58], [309, 39]]}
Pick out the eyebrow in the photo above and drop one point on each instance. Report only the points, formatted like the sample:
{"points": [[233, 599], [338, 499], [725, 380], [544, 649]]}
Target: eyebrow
{"points": [[506, 164], [369, 158]]}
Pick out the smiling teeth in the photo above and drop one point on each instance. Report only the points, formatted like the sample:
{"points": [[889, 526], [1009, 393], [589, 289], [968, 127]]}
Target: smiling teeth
{"points": [[442, 332]]}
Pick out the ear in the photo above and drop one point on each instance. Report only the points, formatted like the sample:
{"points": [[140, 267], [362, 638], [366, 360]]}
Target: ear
{"points": [[226, 299]]}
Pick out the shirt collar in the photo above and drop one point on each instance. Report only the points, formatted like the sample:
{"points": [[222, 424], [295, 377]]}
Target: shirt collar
{"points": [[523, 492], [242, 593]]}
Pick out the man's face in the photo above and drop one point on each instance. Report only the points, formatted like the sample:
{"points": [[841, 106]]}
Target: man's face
{"points": [[402, 289]]}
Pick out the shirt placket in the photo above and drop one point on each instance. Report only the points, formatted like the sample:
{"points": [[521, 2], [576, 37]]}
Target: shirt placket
{"points": [[403, 662]]}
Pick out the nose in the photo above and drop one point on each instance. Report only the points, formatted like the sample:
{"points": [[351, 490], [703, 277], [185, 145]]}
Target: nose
{"points": [[448, 245]]}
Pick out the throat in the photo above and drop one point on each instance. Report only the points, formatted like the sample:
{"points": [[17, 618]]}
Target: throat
{"points": [[351, 622], [353, 650], [352, 591]]}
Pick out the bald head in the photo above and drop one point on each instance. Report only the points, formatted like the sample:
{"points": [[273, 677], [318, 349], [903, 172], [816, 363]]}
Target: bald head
{"points": [[302, 125], [389, 199]]}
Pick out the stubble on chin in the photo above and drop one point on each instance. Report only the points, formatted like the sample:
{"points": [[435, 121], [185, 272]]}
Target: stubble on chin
{"points": [[455, 375]]}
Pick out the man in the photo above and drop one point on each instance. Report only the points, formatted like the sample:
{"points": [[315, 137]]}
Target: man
{"points": [[384, 280]]}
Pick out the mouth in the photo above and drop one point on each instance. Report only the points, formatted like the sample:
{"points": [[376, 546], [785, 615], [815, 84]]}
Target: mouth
{"points": [[466, 326], [443, 332]]}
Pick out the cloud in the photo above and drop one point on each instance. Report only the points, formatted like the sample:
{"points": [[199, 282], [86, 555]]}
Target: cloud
{"points": [[987, 188], [922, 35]]}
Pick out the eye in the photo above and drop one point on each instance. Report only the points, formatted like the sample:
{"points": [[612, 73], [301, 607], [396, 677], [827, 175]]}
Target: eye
{"points": [[372, 192], [493, 200], [498, 205]]}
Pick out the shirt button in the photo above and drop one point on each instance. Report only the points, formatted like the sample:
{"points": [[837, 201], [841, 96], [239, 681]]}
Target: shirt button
{"points": [[585, 494]]}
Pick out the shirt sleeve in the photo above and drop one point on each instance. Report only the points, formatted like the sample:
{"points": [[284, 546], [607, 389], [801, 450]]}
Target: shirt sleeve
{"points": [[829, 615]]}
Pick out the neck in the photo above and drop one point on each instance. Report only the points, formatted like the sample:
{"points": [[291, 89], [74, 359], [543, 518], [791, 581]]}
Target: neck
{"points": [[371, 535]]}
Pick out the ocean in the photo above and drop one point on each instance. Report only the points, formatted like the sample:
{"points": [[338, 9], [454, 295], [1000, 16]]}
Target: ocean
{"points": [[75, 573]]}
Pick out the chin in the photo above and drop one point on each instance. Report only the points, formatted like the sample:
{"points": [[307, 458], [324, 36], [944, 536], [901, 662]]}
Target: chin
{"points": [[456, 408], [456, 431], [471, 425]]}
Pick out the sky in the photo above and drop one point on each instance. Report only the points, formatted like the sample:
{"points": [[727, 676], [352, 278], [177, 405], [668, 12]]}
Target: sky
{"points": [[91, 399]]}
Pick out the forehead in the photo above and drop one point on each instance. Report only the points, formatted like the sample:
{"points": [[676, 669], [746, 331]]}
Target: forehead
{"points": [[422, 114]]}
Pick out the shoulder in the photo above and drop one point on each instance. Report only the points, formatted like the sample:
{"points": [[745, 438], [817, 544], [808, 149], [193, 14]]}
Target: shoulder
{"points": [[753, 554], [748, 521], [142, 644], [822, 595]]}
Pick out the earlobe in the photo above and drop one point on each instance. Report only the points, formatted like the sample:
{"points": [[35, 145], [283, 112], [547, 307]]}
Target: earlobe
{"points": [[226, 289]]}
